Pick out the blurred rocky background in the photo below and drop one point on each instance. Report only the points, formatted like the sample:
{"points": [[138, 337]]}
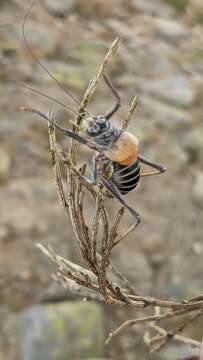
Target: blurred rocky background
{"points": [[161, 60]]}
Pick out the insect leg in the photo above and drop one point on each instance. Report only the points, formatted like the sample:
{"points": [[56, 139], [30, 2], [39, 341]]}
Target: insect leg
{"points": [[94, 179], [94, 169], [111, 187], [67, 132], [159, 168], [117, 104]]}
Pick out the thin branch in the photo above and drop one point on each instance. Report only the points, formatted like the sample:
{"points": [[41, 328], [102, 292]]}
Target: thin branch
{"points": [[114, 229], [133, 322], [125, 234], [169, 335], [96, 280], [130, 113], [91, 90], [95, 226]]}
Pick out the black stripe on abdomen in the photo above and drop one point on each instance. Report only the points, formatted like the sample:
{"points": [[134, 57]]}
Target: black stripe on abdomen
{"points": [[126, 177]]}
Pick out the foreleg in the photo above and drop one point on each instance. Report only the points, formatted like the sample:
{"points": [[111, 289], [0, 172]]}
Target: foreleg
{"points": [[115, 93], [66, 132]]}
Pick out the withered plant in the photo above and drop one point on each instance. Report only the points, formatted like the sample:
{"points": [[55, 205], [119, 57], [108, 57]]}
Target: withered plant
{"points": [[95, 280]]}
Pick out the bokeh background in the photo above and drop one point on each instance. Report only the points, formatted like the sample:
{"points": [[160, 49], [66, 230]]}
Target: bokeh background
{"points": [[161, 60]]}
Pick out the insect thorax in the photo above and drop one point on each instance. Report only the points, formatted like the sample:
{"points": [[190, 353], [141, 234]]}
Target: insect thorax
{"points": [[102, 132]]}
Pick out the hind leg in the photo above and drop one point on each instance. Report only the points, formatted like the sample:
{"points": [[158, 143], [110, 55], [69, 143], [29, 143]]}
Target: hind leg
{"points": [[160, 169]]}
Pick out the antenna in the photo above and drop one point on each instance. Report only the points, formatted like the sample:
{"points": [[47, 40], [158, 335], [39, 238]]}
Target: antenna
{"points": [[46, 96], [27, 14]]}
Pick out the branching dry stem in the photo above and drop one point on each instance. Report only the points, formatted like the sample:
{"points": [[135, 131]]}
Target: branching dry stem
{"points": [[97, 277]]}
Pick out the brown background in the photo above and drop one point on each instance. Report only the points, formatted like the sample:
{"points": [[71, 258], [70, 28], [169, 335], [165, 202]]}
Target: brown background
{"points": [[161, 60]]}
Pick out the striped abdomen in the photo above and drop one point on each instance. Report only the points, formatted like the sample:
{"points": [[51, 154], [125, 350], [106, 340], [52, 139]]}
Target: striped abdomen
{"points": [[126, 177]]}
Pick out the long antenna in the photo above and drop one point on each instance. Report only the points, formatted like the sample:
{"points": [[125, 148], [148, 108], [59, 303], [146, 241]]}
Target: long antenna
{"points": [[45, 95], [27, 14]]}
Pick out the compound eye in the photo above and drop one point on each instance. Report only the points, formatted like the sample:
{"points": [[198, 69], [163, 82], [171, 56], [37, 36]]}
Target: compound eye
{"points": [[103, 124]]}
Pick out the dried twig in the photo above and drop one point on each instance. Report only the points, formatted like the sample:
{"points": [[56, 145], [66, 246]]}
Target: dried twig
{"points": [[96, 279], [165, 336], [156, 318], [130, 113]]}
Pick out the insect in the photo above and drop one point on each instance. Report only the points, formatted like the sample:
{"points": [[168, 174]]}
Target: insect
{"points": [[116, 162]]}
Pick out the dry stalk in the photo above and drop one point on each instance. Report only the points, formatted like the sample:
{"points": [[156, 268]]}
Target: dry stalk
{"points": [[97, 277]]}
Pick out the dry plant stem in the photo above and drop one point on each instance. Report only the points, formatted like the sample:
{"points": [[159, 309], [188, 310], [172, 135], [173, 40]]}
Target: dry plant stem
{"points": [[125, 234], [113, 233], [95, 226], [124, 126], [59, 184], [69, 270], [67, 264], [74, 289], [102, 277], [196, 298], [91, 90], [149, 301], [130, 113], [79, 230], [159, 341], [156, 318], [58, 179], [81, 220], [83, 277], [140, 301], [123, 279], [56, 166], [168, 335], [92, 191], [98, 281], [71, 199]]}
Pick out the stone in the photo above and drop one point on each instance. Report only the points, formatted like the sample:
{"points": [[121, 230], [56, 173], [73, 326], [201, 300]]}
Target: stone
{"points": [[195, 11], [70, 76], [4, 233], [60, 8], [68, 330], [9, 39], [164, 114], [175, 90], [180, 6], [121, 29], [201, 351], [135, 268], [39, 39], [170, 29], [160, 58], [99, 9], [178, 351], [154, 7], [5, 164], [84, 52], [176, 157], [197, 190], [193, 144]]}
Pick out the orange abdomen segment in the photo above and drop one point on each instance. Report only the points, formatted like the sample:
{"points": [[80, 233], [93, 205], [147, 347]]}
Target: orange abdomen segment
{"points": [[125, 149]]}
